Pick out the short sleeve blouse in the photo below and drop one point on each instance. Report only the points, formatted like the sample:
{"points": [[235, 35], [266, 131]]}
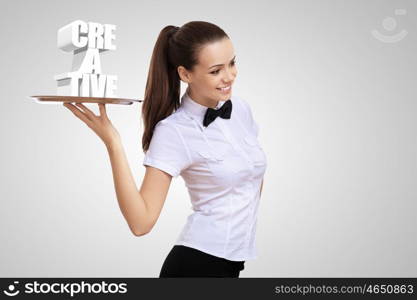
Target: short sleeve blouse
{"points": [[223, 166]]}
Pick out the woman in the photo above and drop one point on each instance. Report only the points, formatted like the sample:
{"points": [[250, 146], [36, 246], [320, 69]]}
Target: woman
{"points": [[209, 138]]}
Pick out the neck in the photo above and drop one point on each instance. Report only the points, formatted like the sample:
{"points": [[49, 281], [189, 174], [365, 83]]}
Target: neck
{"points": [[205, 102]]}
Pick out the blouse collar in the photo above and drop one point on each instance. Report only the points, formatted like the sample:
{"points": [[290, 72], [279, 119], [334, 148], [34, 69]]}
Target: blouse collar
{"points": [[194, 109]]}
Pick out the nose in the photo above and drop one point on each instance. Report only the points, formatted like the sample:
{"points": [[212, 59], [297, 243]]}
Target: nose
{"points": [[229, 76]]}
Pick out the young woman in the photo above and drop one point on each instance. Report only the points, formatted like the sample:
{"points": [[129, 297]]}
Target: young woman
{"points": [[209, 138]]}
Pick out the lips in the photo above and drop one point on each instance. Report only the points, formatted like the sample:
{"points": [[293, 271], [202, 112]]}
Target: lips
{"points": [[225, 89]]}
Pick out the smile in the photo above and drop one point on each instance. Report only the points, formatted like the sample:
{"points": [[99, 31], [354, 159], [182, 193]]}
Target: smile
{"points": [[224, 89]]}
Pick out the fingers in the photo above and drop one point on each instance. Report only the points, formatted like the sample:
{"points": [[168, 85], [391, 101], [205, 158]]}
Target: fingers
{"points": [[103, 112], [78, 113], [87, 111], [86, 114]]}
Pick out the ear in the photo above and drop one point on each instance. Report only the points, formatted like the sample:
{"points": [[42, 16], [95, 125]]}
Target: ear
{"points": [[184, 75]]}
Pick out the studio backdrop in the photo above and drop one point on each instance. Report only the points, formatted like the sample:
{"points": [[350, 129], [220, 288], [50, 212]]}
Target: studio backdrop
{"points": [[331, 84]]}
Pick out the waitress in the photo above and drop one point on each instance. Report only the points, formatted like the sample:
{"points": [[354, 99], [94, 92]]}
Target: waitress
{"points": [[209, 138]]}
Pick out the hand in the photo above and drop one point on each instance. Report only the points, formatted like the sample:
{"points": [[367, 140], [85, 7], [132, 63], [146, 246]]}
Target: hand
{"points": [[101, 125]]}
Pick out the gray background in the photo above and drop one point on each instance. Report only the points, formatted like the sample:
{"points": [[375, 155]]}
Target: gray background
{"points": [[336, 109]]}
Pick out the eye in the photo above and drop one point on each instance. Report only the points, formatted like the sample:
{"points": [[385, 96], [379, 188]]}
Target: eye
{"points": [[232, 63]]}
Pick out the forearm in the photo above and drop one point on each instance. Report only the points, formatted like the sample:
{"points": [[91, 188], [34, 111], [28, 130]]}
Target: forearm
{"points": [[130, 201]]}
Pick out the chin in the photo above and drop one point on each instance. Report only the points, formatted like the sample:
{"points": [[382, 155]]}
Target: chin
{"points": [[226, 97]]}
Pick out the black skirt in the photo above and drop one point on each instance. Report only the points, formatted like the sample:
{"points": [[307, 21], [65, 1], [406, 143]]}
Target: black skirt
{"points": [[183, 261]]}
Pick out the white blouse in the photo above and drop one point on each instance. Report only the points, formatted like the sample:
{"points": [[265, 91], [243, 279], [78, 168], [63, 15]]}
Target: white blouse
{"points": [[223, 166]]}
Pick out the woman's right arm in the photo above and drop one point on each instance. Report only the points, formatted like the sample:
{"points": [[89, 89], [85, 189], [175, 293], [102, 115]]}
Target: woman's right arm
{"points": [[142, 208]]}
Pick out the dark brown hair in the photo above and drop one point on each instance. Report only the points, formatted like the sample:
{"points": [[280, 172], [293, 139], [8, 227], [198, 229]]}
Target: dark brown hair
{"points": [[175, 46]]}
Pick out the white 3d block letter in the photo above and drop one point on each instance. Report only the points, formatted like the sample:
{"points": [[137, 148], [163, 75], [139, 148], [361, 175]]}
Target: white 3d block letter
{"points": [[98, 85], [95, 35], [109, 36], [73, 36], [69, 84], [91, 62], [85, 86], [111, 86]]}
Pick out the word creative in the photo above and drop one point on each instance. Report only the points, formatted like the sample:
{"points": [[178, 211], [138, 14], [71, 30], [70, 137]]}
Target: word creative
{"points": [[87, 41]]}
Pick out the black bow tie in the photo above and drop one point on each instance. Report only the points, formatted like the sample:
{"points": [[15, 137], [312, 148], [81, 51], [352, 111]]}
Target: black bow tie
{"points": [[223, 112]]}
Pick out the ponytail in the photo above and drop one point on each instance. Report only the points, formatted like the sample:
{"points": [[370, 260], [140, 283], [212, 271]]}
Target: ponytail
{"points": [[162, 89]]}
